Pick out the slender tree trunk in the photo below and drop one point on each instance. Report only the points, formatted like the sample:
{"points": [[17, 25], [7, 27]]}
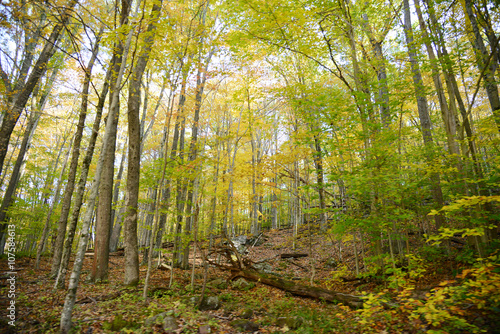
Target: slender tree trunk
{"points": [[181, 189], [318, 163], [453, 90], [383, 90], [54, 203], [165, 187], [193, 150], [84, 171], [425, 121], [134, 152], [449, 115], [69, 302], [115, 230], [149, 221], [215, 181], [156, 223], [75, 155], [231, 163], [485, 64], [443, 104]]}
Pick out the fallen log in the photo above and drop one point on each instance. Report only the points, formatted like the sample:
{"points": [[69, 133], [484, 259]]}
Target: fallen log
{"points": [[293, 255], [241, 267], [301, 290], [296, 264], [101, 298], [117, 253], [164, 266]]}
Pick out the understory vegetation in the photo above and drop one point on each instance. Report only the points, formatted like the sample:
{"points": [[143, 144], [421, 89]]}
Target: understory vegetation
{"points": [[432, 290]]}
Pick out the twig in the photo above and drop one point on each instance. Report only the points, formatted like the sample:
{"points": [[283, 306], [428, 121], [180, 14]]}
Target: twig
{"points": [[256, 240]]}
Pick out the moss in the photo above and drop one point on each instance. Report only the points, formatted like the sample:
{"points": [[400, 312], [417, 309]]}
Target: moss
{"points": [[119, 323]]}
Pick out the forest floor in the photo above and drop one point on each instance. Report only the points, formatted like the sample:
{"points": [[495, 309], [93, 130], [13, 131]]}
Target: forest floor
{"points": [[249, 307]]}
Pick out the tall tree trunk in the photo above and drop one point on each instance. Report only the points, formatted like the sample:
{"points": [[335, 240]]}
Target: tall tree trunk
{"points": [[318, 163], [181, 189], [115, 230], [75, 155], [164, 203], [449, 115], [453, 90], [84, 172], [193, 150], [231, 156], [14, 178], [134, 152], [104, 207], [54, 203], [383, 90], [485, 64], [103, 222], [69, 302], [423, 112], [485, 21]]}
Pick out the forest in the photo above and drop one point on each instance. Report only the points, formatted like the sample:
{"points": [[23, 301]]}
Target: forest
{"points": [[266, 166]]}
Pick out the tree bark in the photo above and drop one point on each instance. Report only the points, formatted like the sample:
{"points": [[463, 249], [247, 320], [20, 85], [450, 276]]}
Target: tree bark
{"points": [[69, 302], [193, 151], [484, 62], [115, 230], [383, 90], [54, 203], [84, 172], [423, 112], [301, 290], [75, 155], [134, 153]]}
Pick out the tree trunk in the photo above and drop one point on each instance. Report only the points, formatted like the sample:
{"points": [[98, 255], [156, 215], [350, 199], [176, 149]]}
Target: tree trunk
{"points": [[448, 119], [115, 230], [383, 90], [54, 203], [134, 152], [15, 176], [453, 90], [301, 290], [181, 189], [69, 302], [425, 121], [318, 163], [75, 155], [193, 150], [164, 203], [87, 160], [12, 116], [485, 64], [103, 222]]}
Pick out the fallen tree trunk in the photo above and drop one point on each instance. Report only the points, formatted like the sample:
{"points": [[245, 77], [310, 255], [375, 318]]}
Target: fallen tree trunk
{"points": [[293, 255], [243, 267], [301, 290]]}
